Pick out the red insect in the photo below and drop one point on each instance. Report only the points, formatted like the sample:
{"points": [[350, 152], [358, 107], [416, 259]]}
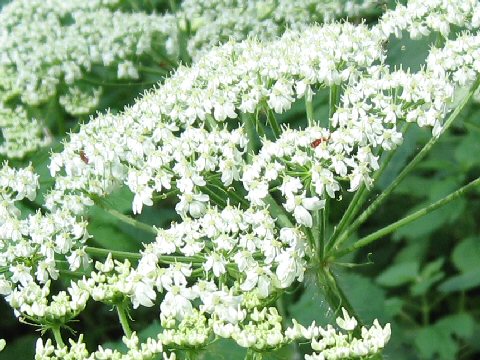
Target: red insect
{"points": [[84, 157], [318, 141]]}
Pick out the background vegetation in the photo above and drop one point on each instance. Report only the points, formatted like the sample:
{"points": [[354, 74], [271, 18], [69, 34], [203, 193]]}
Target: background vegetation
{"points": [[424, 278]]}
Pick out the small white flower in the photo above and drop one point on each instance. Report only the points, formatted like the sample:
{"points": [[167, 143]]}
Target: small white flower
{"points": [[346, 323]]}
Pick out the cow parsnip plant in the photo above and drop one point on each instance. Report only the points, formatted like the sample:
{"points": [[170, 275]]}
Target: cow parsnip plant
{"points": [[252, 195]]}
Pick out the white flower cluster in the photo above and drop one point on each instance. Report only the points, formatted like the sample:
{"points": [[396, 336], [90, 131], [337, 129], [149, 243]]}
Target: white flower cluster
{"points": [[72, 39], [152, 146], [152, 159], [31, 301], [459, 59], [77, 350], [224, 312], [241, 245], [420, 17], [215, 21], [312, 156], [29, 246], [138, 147], [2, 344], [68, 40], [330, 344], [80, 100], [15, 185], [213, 273], [49, 47], [20, 134]]}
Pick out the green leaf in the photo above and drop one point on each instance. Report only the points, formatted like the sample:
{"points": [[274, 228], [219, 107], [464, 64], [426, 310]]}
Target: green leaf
{"points": [[285, 353], [412, 250], [224, 349], [408, 53], [393, 306], [109, 236], [461, 324], [399, 274], [466, 255], [120, 200], [465, 281], [437, 341], [367, 298], [466, 153], [430, 275], [433, 342]]}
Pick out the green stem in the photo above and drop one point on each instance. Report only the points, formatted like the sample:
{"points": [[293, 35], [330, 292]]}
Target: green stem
{"points": [[333, 293], [356, 204], [118, 254], [173, 6], [324, 234], [408, 219], [253, 138], [309, 110], [259, 126], [346, 217], [282, 311], [74, 274], [425, 311], [93, 81], [154, 71], [214, 196], [319, 240], [231, 193], [58, 336], [136, 256], [128, 220], [210, 122], [425, 150], [191, 354], [333, 101], [253, 355], [278, 212], [122, 316], [272, 120]]}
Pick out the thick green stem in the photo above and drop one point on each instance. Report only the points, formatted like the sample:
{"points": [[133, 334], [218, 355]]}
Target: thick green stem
{"points": [[272, 120], [136, 256], [254, 142], [253, 355], [309, 110], [408, 219], [333, 293], [173, 6], [347, 216], [333, 101], [278, 212], [58, 336], [324, 233], [191, 354], [214, 196], [118, 254], [154, 71], [414, 162], [210, 122], [354, 207], [127, 219], [318, 235], [122, 316]]}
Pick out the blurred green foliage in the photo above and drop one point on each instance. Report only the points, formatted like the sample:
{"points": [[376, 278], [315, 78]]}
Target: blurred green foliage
{"points": [[424, 279]]}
